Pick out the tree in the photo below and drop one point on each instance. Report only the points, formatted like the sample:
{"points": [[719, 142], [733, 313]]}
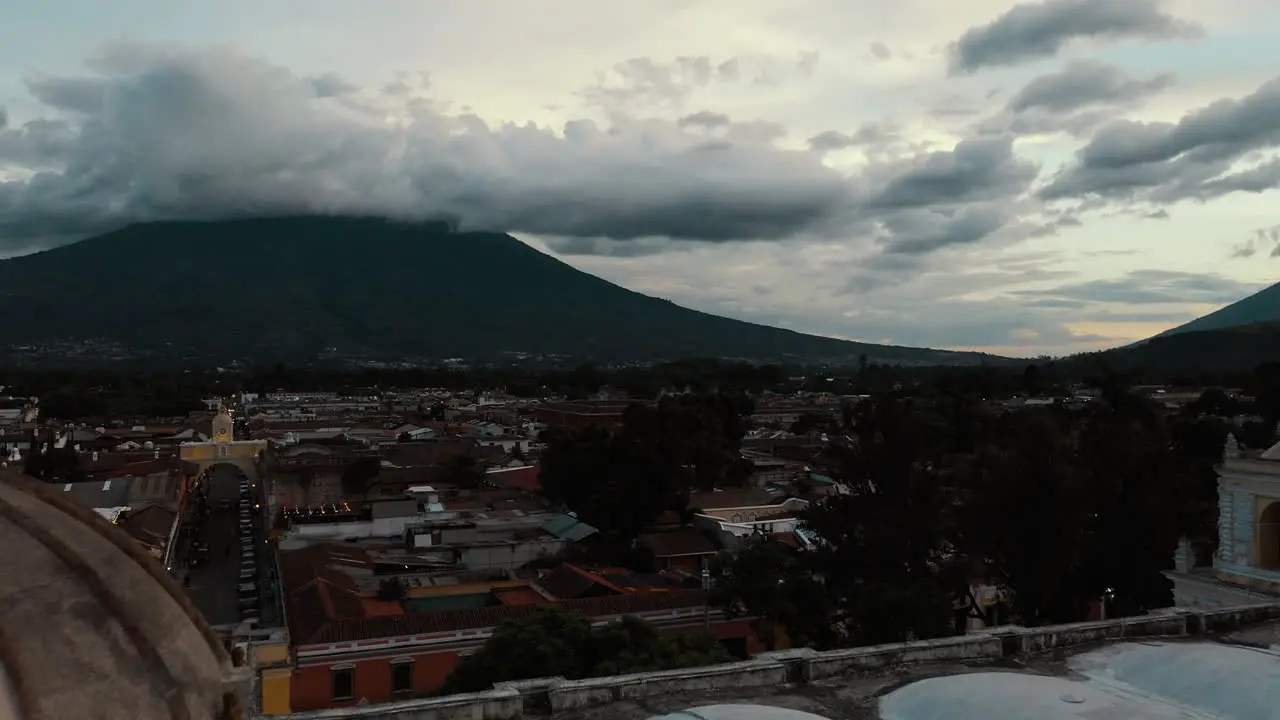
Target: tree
{"points": [[1139, 491], [772, 582], [1197, 444], [1023, 516], [1214, 401], [1062, 508], [878, 546], [635, 646], [554, 642], [621, 480], [461, 470], [550, 642]]}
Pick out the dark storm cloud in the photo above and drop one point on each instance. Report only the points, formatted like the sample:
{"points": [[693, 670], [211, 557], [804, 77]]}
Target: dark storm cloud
{"points": [[1052, 227], [704, 119], [77, 95], [1032, 31], [924, 231], [1195, 158], [1151, 287], [974, 171], [179, 134], [866, 134], [1084, 83], [1265, 240], [939, 200], [604, 247], [162, 133], [330, 85]]}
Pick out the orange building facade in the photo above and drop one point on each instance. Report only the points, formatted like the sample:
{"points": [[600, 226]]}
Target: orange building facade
{"points": [[345, 673]]}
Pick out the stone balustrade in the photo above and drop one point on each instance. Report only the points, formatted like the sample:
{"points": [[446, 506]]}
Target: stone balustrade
{"points": [[548, 696]]}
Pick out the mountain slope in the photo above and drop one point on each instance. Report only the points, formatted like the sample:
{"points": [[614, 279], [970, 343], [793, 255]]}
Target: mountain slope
{"points": [[1260, 307], [292, 288], [1239, 348]]}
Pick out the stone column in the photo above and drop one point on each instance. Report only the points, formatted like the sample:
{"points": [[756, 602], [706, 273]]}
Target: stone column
{"points": [[1226, 526]]}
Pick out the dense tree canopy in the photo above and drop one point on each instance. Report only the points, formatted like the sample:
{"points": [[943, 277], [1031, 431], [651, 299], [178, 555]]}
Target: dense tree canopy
{"points": [[553, 642], [621, 480], [1055, 507]]}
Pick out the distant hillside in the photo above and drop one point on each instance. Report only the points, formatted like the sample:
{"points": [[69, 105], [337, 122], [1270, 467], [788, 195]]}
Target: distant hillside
{"points": [[1233, 349], [1260, 307], [299, 288]]}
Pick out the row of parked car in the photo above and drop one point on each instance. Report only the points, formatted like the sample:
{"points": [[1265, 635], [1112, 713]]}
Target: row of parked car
{"points": [[250, 596]]}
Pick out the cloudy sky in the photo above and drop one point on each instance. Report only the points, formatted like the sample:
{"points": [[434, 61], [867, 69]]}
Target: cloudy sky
{"points": [[1031, 178]]}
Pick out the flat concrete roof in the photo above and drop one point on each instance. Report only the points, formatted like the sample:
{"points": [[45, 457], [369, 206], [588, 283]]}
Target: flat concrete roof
{"points": [[1231, 677]]}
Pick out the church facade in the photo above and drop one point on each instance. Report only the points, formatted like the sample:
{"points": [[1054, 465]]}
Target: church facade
{"points": [[1248, 550]]}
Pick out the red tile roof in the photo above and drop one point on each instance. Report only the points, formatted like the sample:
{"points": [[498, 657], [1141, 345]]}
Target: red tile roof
{"points": [[381, 608], [568, 582], [688, 541], [522, 478], [439, 621]]}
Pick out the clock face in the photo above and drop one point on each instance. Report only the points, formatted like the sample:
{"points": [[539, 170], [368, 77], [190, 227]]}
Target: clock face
{"points": [[222, 431]]}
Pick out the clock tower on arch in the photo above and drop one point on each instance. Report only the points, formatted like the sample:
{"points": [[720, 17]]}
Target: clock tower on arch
{"points": [[223, 426]]}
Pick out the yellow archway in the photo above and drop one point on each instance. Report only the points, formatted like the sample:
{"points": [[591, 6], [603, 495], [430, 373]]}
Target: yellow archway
{"points": [[242, 454]]}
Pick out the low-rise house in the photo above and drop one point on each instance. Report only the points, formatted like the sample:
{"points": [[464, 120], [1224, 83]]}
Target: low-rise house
{"points": [[350, 648], [688, 549], [152, 526]]}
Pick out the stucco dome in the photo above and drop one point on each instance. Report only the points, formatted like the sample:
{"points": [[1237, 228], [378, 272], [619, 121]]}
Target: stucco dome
{"points": [[90, 627]]}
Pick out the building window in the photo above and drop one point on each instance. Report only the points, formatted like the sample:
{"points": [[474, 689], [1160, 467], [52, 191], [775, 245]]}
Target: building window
{"points": [[344, 683], [401, 676]]}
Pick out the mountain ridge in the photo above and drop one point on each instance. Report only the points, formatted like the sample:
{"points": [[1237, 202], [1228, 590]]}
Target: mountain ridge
{"points": [[299, 287], [1262, 306]]}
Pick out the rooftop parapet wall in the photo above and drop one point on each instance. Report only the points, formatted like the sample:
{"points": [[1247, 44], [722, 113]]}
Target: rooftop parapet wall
{"points": [[543, 696]]}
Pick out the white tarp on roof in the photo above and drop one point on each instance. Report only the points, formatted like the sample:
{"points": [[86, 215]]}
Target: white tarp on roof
{"points": [[1013, 696], [1130, 681], [739, 712]]}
